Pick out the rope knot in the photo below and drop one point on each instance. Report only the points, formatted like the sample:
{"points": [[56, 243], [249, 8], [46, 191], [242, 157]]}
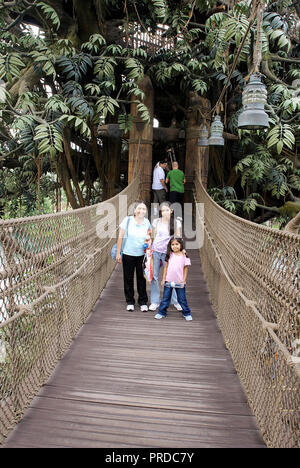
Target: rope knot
{"points": [[49, 289], [25, 309]]}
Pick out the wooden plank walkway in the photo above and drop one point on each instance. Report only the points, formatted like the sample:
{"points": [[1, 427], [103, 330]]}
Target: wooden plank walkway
{"points": [[129, 380]]}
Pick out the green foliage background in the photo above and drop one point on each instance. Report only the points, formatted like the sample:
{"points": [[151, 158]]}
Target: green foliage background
{"points": [[82, 71]]}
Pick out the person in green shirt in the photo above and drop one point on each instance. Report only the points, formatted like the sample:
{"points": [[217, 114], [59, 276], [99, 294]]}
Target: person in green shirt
{"points": [[177, 180]]}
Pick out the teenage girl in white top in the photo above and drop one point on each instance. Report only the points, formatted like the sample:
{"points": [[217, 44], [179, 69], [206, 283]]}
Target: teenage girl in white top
{"points": [[163, 230]]}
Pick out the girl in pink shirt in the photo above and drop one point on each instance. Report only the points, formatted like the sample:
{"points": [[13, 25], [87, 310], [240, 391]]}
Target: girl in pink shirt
{"points": [[175, 274]]}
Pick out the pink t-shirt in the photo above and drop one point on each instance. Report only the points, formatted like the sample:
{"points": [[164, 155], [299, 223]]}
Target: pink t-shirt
{"points": [[176, 266]]}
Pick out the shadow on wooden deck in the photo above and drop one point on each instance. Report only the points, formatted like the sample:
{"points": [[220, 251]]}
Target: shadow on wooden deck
{"points": [[129, 380]]}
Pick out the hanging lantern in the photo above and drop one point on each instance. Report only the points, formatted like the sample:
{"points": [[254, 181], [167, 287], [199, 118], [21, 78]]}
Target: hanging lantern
{"points": [[216, 132], [203, 138], [254, 99]]}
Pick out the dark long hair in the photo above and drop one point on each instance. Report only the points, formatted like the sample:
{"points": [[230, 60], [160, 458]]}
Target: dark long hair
{"points": [[137, 203], [169, 250], [172, 223]]}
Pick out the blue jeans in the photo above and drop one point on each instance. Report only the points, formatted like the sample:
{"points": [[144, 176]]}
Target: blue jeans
{"points": [[163, 308], [155, 289]]}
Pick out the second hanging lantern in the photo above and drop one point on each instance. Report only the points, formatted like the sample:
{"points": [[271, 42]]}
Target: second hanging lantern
{"points": [[216, 132], [203, 137]]}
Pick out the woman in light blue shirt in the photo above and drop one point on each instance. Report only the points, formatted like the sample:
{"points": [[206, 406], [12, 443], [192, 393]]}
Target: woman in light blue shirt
{"points": [[137, 227]]}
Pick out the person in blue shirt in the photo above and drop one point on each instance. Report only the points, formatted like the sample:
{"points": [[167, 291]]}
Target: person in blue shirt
{"points": [[137, 228]]}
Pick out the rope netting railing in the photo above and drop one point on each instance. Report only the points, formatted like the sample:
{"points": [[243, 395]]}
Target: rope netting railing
{"points": [[52, 271], [252, 273]]}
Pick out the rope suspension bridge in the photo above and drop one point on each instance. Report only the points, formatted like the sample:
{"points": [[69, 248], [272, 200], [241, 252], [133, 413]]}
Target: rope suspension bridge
{"points": [[230, 378], [78, 370]]}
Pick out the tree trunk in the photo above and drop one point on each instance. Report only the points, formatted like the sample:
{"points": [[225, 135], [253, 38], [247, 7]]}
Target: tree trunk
{"points": [[58, 197], [62, 171], [30, 77], [113, 153], [38, 185], [86, 18], [216, 161], [233, 178], [96, 152], [71, 168]]}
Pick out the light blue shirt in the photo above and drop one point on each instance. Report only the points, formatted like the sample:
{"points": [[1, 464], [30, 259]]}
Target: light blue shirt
{"points": [[133, 244]]}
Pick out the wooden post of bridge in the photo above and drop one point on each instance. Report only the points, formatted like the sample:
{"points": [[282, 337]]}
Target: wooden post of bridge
{"points": [[141, 141], [196, 158], [191, 149], [203, 158], [203, 164]]}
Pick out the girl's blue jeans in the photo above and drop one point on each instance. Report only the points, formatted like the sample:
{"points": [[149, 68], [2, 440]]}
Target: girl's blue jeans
{"points": [[180, 291], [155, 289]]}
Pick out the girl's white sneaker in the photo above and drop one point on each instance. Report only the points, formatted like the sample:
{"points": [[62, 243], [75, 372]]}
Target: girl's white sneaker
{"points": [[158, 316], [153, 306], [144, 308], [130, 307], [188, 317], [178, 306]]}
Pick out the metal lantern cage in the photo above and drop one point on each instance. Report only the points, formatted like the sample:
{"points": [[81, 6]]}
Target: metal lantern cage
{"points": [[216, 132], [253, 115]]}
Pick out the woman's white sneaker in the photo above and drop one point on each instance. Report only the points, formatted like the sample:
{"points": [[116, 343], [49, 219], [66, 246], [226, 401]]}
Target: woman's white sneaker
{"points": [[144, 308], [130, 307], [178, 306], [153, 306]]}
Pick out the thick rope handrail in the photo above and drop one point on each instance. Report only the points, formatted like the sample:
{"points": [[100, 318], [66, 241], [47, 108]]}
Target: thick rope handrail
{"points": [[252, 274], [45, 253], [52, 271], [290, 235], [28, 308], [271, 327]]}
